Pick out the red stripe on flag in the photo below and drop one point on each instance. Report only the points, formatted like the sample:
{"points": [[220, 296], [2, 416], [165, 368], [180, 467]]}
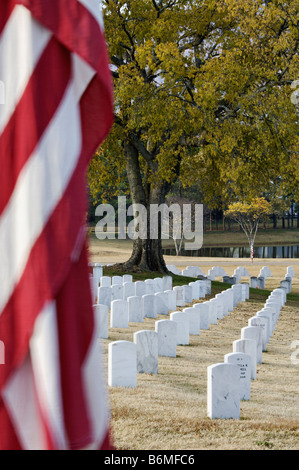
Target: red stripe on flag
{"points": [[6, 10], [33, 114], [74, 300]]}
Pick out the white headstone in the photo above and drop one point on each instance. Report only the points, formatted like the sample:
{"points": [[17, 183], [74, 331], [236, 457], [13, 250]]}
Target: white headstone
{"points": [[202, 288], [173, 269], [237, 291], [255, 333], [135, 309], [171, 300], [149, 307], [204, 315], [167, 342], [261, 282], [167, 283], [105, 281], [195, 290], [140, 288], [182, 321], [101, 315], [213, 308], [147, 351], [247, 346], [220, 300], [243, 361], [275, 307], [229, 299], [262, 323], [277, 297], [127, 278], [94, 285], [162, 303], [267, 313], [97, 269], [158, 284], [245, 291], [150, 286], [122, 364], [208, 284], [224, 296], [287, 284], [104, 296], [180, 296], [116, 292], [119, 317], [194, 320], [188, 294], [290, 271], [117, 280], [280, 292], [223, 391], [284, 290], [97, 273], [128, 289]]}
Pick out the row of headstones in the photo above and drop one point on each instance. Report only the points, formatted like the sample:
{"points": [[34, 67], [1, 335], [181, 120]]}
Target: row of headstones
{"points": [[137, 307], [126, 359], [196, 271], [217, 271], [257, 282], [230, 382], [288, 279]]}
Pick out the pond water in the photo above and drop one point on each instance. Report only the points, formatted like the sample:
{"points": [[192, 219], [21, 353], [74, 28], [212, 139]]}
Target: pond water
{"points": [[284, 251]]}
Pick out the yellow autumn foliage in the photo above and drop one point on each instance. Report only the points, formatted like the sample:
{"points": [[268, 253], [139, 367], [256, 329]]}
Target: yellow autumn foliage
{"points": [[203, 91]]}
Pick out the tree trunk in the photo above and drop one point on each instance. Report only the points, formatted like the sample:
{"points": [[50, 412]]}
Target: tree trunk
{"points": [[251, 251], [147, 252]]}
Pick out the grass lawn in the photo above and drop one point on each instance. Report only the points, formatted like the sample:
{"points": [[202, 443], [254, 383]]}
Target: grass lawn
{"points": [[168, 410]]}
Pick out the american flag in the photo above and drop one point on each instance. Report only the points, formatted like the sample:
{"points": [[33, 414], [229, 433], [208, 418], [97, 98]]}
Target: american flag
{"points": [[57, 109]]}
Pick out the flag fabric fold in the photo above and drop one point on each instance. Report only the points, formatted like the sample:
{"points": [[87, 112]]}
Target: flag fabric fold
{"points": [[57, 110]]}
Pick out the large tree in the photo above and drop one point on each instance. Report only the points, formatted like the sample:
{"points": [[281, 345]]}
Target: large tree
{"points": [[202, 92], [150, 46]]}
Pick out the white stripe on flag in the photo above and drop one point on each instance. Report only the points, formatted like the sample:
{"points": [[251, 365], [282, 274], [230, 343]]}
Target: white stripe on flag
{"points": [[44, 349], [41, 184], [21, 44], [20, 399], [95, 8], [95, 390]]}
